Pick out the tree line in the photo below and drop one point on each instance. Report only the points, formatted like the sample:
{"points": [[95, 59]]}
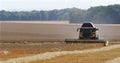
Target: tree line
{"points": [[99, 14]]}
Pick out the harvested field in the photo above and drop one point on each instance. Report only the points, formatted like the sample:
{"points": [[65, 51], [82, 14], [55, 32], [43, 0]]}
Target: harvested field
{"points": [[24, 39], [38, 32]]}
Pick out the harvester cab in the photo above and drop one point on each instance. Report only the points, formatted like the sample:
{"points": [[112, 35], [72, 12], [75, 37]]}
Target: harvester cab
{"points": [[87, 34]]}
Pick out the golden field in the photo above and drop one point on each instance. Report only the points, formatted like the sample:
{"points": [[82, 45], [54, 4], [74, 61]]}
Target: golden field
{"points": [[24, 39], [98, 57]]}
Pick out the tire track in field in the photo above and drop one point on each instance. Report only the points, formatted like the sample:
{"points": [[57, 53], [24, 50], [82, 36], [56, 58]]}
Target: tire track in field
{"points": [[4, 52], [116, 60], [49, 55]]}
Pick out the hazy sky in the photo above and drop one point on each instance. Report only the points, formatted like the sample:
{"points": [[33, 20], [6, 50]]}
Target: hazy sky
{"points": [[52, 4]]}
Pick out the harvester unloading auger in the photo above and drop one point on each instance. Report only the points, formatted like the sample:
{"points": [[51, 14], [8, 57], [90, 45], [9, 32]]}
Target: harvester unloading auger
{"points": [[87, 34]]}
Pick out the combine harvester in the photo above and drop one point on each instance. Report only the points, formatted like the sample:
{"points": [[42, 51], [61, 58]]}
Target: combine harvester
{"points": [[87, 34]]}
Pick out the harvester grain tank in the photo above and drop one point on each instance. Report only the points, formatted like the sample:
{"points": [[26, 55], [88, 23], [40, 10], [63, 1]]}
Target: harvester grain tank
{"points": [[87, 34]]}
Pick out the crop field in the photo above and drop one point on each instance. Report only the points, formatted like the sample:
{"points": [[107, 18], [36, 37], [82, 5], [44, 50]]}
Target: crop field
{"points": [[98, 57], [35, 42]]}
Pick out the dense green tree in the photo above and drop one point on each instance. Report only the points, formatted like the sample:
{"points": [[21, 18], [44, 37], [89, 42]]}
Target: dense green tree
{"points": [[77, 15], [99, 14]]}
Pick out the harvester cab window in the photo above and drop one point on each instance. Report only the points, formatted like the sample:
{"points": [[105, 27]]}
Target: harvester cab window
{"points": [[87, 25]]}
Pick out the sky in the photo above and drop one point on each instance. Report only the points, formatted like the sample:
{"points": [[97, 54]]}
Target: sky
{"points": [[28, 5]]}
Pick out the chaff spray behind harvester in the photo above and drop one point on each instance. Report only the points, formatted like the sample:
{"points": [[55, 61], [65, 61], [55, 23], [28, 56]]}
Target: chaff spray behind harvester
{"points": [[87, 34]]}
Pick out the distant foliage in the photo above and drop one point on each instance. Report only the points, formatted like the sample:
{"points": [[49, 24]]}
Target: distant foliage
{"points": [[100, 14], [35, 15]]}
